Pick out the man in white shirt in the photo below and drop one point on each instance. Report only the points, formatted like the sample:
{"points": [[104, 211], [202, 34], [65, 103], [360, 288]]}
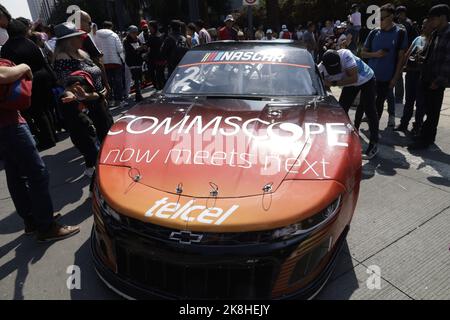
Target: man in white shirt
{"points": [[203, 35], [113, 56], [269, 35], [342, 68], [355, 18]]}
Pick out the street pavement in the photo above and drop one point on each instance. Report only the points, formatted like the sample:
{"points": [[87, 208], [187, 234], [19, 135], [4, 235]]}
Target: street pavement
{"points": [[400, 231]]}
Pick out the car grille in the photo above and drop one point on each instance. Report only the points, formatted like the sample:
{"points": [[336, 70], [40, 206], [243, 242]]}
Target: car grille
{"points": [[208, 239], [230, 280]]}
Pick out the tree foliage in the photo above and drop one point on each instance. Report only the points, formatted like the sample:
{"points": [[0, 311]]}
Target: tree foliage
{"points": [[270, 13]]}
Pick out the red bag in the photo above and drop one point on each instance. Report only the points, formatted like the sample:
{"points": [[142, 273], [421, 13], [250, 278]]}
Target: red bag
{"points": [[17, 95]]}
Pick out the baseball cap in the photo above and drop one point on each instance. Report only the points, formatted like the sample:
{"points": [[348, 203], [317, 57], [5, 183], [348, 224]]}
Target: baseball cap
{"points": [[144, 24], [439, 10], [332, 62], [229, 18], [132, 29]]}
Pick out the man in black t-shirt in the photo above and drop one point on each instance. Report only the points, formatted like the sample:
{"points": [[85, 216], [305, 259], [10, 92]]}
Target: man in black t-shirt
{"points": [[174, 47]]}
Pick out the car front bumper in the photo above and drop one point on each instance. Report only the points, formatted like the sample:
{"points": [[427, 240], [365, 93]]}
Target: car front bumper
{"points": [[143, 268]]}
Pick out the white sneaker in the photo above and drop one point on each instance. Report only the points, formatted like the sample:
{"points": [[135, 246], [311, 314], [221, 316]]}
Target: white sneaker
{"points": [[89, 172], [391, 122]]}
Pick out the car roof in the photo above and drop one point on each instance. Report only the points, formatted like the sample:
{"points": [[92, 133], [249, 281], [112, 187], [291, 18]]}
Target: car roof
{"points": [[245, 45]]}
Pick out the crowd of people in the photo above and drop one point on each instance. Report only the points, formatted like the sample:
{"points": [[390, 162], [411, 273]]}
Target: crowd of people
{"points": [[79, 73]]}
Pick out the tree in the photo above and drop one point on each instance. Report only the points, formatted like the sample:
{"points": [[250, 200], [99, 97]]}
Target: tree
{"points": [[273, 14]]}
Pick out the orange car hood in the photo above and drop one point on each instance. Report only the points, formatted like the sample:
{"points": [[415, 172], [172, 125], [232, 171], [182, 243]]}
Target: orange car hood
{"points": [[232, 148]]}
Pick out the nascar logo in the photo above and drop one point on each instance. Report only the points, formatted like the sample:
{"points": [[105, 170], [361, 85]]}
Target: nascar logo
{"points": [[262, 56]]}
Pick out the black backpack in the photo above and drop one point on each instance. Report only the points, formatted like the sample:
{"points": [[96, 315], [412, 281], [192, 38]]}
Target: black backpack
{"points": [[181, 47]]}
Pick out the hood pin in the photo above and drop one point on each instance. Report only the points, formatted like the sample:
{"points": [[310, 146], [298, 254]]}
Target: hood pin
{"points": [[179, 189], [215, 190], [268, 187]]}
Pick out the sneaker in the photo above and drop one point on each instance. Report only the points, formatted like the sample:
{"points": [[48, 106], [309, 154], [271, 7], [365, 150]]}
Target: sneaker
{"points": [[371, 152], [57, 232], [89, 172], [401, 128], [391, 122], [30, 227]]}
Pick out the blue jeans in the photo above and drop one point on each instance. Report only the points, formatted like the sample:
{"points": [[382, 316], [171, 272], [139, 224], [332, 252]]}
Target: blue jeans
{"points": [[27, 176]]}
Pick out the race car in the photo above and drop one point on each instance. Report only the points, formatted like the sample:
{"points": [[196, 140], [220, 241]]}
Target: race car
{"points": [[238, 182]]}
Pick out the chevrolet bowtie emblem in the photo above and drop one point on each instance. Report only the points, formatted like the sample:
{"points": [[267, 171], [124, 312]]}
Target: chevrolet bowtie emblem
{"points": [[186, 237]]}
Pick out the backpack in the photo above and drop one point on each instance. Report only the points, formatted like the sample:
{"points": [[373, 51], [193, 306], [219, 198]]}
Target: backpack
{"points": [[286, 35], [16, 95], [181, 47]]}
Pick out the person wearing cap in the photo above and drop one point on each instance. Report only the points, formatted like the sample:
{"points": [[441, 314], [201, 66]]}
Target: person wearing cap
{"points": [[69, 58], [228, 32], [342, 68], [20, 49], [144, 35], [134, 49], [285, 34], [27, 176], [341, 37], [435, 74], [269, 35]]}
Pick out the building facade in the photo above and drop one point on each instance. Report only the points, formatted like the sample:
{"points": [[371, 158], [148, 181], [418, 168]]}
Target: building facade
{"points": [[41, 10]]}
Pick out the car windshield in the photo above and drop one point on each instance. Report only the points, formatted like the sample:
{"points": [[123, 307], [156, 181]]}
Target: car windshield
{"points": [[264, 72]]}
